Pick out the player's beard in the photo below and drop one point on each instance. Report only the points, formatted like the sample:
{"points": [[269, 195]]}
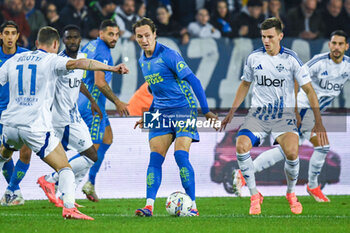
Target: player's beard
{"points": [[337, 52], [112, 44]]}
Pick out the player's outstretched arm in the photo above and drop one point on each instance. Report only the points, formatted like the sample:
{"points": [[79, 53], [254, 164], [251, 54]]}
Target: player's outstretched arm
{"points": [[318, 128], [89, 64], [242, 92], [200, 94], [106, 90], [94, 105]]}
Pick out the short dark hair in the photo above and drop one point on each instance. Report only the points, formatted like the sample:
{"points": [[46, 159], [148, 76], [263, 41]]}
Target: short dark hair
{"points": [[252, 3], [142, 22], [272, 23], [47, 35], [9, 23], [108, 23], [70, 27], [340, 33]]}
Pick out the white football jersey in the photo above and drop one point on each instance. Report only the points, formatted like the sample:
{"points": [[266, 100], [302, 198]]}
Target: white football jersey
{"points": [[32, 77], [328, 79], [272, 78], [65, 109]]}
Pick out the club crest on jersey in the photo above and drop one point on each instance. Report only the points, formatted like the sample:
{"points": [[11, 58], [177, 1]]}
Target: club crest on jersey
{"points": [[280, 67], [180, 66], [344, 75]]}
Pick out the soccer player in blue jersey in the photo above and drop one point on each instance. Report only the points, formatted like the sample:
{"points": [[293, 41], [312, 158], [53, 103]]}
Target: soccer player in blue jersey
{"points": [[272, 71], [170, 80], [9, 35], [98, 85]]}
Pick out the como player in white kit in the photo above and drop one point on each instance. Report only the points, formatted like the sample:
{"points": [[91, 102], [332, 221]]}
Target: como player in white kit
{"points": [[272, 70], [28, 120], [329, 72], [68, 125]]}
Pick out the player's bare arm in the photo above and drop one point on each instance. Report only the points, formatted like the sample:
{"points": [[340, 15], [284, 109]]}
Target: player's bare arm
{"points": [[241, 93], [89, 64], [103, 86], [94, 105], [297, 115], [318, 128]]}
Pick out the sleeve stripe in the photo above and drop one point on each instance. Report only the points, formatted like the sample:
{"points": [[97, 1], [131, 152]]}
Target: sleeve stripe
{"points": [[315, 60], [293, 54], [255, 51]]}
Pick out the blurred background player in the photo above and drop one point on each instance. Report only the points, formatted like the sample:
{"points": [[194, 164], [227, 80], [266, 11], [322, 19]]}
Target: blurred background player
{"points": [[28, 117], [9, 35], [273, 70], [98, 85], [169, 78], [140, 101], [329, 72], [67, 122]]}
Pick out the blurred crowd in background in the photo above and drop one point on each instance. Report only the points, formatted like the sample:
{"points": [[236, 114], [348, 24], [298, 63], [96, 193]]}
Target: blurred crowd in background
{"points": [[182, 19]]}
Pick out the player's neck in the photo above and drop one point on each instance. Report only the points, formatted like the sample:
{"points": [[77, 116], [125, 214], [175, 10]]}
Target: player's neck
{"points": [[72, 54], [274, 52], [335, 60], [9, 50]]}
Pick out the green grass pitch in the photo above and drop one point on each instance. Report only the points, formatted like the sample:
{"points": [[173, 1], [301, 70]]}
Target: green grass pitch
{"points": [[220, 214]]}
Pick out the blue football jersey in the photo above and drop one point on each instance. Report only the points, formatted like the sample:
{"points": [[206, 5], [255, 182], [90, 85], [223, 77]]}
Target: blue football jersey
{"points": [[164, 72], [4, 90], [97, 50]]}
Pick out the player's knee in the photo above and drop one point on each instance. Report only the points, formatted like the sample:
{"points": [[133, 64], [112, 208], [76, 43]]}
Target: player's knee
{"points": [[243, 147], [91, 153], [291, 153], [108, 139], [25, 155]]}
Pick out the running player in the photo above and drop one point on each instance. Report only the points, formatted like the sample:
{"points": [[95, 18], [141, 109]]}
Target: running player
{"points": [[329, 72], [272, 70], [97, 84], [9, 35], [170, 79], [28, 118], [67, 122]]}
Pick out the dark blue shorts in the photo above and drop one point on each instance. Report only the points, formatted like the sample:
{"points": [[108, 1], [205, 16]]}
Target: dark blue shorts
{"points": [[170, 124]]}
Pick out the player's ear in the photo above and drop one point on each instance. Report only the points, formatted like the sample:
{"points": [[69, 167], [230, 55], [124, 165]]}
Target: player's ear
{"points": [[18, 34], [347, 46], [36, 43]]}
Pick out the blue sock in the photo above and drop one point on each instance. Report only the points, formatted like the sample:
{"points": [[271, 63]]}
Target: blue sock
{"points": [[7, 170], [154, 174], [186, 172], [18, 174], [96, 167]]}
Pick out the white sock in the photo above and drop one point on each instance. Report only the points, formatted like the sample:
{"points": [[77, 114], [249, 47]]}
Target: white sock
{"points": [[150, 202], [245, 163], [67, 187], [52, 178], [80, 167], [316, 164], [194, 205], [268, 159], [291, 170]]}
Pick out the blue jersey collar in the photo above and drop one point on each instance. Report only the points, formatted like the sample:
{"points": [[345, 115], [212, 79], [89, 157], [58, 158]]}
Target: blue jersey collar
{"points": [[281, 50], [42, 50], [2, 54]]}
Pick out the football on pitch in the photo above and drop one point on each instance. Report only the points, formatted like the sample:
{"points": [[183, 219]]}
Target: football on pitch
{"points": [[178, 204]]}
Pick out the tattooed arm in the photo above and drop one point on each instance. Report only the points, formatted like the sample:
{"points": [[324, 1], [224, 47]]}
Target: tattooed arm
{"points": [[103, 86]]}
